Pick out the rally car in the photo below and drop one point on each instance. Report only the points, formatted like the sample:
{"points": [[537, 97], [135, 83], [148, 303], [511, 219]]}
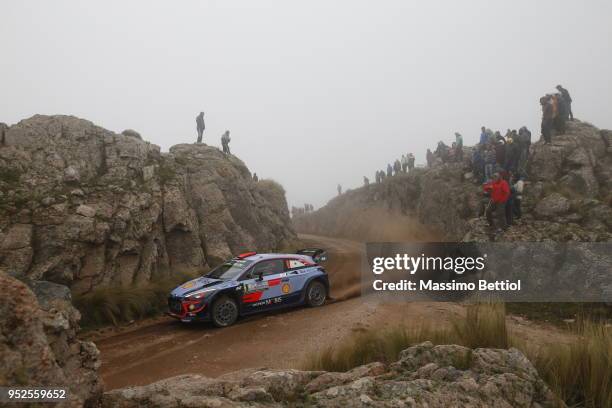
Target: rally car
{"points": [[252, 283]]}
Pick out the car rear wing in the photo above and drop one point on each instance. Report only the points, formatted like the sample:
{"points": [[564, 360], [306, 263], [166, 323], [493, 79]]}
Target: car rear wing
{"points": [[317, 254]]}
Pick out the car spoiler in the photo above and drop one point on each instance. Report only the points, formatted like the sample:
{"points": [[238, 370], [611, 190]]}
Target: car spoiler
{"points": [[317, 254]]}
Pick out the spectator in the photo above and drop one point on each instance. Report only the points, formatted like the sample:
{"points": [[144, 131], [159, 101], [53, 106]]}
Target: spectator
{"points": [[499, 192]]}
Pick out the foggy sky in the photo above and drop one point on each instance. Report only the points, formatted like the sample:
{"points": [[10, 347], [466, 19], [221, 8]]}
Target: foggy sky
{"points": [[314, 93]]}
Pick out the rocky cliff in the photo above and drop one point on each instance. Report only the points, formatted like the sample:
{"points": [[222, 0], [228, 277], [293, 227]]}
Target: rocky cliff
{"points": [[568, 196], [87, 207], [424, 376]]}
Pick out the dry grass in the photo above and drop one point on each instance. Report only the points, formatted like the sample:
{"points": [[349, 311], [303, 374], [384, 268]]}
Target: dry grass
{"points": [[579, 372], [484, 326], [116, 305]]}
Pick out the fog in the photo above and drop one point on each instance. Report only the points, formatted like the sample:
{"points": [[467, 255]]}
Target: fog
{"points": [[314, 93]]}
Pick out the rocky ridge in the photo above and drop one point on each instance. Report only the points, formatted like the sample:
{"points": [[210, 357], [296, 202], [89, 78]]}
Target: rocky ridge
{"points": [[568, 195], [89, 208], [424, 376]]}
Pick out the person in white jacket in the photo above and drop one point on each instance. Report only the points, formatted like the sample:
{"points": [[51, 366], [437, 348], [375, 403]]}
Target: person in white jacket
{"points": [[519, 185]]}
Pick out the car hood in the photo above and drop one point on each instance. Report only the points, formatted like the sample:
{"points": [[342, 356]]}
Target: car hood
{"points": [[197, 284]]}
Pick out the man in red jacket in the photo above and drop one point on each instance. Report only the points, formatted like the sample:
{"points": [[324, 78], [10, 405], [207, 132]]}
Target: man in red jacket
{"points": [[499, 192]]}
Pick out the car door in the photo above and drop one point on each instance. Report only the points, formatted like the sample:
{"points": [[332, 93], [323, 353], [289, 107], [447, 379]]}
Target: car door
{"points": [[298, 272], [262, 289]]}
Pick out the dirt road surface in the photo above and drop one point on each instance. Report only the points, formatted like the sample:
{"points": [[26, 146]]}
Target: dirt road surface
{"points": [[162, 347]]}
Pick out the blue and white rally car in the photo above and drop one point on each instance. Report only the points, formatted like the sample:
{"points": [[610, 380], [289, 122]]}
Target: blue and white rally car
{"points": [[252, 283]]}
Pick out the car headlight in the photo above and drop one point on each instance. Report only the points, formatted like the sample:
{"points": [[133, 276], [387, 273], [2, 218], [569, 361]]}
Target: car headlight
{"points": [[199, 294]]}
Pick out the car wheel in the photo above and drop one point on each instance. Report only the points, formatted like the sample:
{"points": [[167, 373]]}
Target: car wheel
{"points": [[316, 294], [224, 312]]}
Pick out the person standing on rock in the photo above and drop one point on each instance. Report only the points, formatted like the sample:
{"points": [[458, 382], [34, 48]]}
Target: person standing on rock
{"points": [[404, 163], [519, 185], [382, 176], [524, 141], [366, 181], [512, 155], [499, 192], [255, 178], [410, 161], [397, 167], [389, 170], [339, 189], [200, 126], [430, 158], [484, 137], [489, 162], [458, 146], [500, 155], [225, 140], [547, 118], [568, 100]]}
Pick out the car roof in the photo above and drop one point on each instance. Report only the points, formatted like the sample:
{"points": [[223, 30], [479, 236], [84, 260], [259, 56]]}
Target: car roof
{"points": [[260, 257]]}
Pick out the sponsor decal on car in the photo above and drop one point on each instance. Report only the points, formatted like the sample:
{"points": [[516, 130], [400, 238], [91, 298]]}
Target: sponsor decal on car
{"points": [[286, 288], [268, 302], [188, 285], [255, 287]]}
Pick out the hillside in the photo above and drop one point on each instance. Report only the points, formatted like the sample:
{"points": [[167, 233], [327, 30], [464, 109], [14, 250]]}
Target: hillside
{"points": [[568, 196]]}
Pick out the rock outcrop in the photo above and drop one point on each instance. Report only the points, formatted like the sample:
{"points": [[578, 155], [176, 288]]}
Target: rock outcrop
{"points": [[568, 195], [424, 376], [89, 208], [38, 343]]}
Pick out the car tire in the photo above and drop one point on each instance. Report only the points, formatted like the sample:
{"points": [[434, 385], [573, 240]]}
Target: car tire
{"points": [[224, 312], [316, 293]]}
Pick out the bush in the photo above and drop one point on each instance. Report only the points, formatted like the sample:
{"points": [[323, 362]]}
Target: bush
{"points": [[116, 305]]}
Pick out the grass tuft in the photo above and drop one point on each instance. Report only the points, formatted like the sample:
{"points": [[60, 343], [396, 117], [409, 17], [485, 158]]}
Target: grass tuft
{"points": [[580, 372], [484, 326], [117, 305]]}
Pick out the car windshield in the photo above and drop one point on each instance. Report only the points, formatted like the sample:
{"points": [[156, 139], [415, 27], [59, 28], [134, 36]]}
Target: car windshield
{"points": [[230, 269]]}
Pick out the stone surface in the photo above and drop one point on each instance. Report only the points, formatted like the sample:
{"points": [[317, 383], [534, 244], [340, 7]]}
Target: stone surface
{"points": [[90, 208], [38, 343], [552, 205], [424, 376]]}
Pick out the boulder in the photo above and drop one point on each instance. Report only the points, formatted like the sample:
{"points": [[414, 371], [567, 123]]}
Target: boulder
{"points": [[131, 133], [71, 175], [38, 342], [86, 211], [552, 205]]}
